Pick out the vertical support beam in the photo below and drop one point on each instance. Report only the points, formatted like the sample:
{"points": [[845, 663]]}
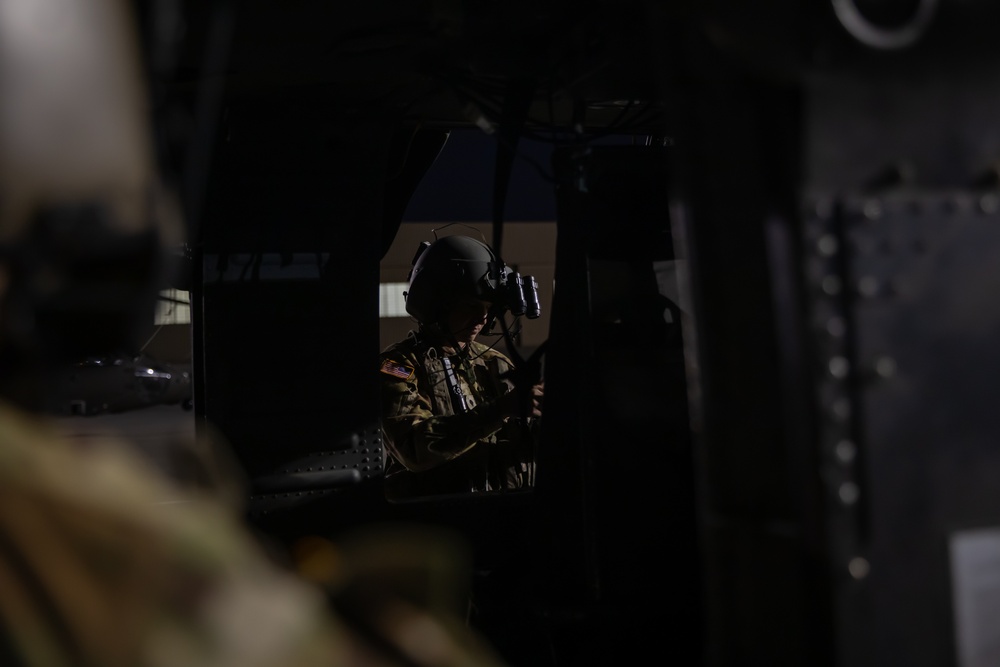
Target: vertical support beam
{"points": [[289, 287], [839, 226], [616, 473]]}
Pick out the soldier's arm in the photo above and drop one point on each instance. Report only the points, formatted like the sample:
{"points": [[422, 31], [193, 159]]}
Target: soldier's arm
{"points": [[421, 440]]}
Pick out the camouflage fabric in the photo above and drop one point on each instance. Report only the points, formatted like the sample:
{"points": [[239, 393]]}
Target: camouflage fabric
{"points": [[434, 448], [104, 563]]}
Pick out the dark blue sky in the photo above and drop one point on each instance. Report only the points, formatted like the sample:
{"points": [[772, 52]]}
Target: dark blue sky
{"points": [[459, 185]]}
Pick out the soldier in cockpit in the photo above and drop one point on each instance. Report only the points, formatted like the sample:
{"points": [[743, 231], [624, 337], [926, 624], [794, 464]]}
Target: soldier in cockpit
{"points": [[457, 416]]}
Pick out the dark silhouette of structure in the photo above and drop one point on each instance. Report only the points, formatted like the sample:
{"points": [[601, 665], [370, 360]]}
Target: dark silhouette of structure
{"points": [[788, 461]]}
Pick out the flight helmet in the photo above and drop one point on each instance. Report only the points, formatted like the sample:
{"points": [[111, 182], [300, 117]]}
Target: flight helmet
{"points": [[455, 268], [450, 270]]}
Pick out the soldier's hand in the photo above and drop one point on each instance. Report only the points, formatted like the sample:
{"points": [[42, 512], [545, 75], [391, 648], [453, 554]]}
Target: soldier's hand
{"points": [[524, 402]]}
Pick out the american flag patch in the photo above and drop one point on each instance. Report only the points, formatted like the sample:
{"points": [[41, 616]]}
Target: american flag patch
{"points": [[390, 367]]}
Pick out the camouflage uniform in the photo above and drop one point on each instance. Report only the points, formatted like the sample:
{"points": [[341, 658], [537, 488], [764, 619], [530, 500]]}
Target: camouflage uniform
{"points": [[432, 447], [104, 563]]}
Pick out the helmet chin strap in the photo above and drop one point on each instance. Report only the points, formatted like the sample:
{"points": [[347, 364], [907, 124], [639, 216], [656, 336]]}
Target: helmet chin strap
{"points": [[496, 312]]}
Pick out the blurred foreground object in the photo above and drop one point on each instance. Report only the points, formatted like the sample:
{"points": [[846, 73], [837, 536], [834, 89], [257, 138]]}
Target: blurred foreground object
{"points": [[84, 218], [103, 560], [403, 588]]}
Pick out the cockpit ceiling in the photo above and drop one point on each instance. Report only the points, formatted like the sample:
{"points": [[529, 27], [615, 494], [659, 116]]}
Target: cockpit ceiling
{"points": [[438, 62]]}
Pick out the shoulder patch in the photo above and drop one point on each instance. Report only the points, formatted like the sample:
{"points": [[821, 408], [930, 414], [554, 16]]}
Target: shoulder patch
{"points": [[390, 367]]}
